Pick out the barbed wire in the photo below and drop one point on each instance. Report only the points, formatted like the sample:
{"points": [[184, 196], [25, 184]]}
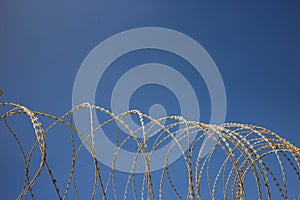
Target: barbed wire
{"points": [[240, 153]]}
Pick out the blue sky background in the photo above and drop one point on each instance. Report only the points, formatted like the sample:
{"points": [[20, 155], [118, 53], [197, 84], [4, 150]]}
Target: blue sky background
{"points": [[256, 46]]}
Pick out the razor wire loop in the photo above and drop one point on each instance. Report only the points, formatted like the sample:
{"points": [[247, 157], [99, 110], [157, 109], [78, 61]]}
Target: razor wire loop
{"points": [[245, 147]]}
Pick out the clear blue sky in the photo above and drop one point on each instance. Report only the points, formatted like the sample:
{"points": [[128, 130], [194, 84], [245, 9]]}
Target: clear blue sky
{"points": [[256, 46]]}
